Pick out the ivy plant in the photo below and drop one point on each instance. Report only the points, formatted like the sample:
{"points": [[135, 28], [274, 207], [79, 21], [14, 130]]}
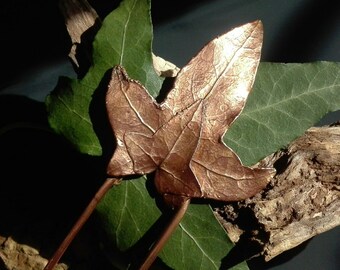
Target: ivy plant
{"points": [[285, 101]]}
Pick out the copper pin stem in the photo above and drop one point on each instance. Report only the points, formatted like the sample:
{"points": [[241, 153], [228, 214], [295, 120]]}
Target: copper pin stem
{"points": [[157, 247], [80, 222]]}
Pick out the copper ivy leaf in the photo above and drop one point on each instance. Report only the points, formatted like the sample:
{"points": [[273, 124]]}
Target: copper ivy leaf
{"points": [[181, 138]]}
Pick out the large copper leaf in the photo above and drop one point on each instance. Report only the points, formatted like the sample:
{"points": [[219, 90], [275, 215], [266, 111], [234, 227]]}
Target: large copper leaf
{"points": [[181, 138]]}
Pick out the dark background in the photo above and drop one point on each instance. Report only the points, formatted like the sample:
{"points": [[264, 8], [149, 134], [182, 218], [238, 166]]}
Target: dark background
{"points": [[34, 47]]}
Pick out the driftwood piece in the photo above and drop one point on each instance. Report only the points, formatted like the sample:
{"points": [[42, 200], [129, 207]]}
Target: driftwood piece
{"points": [[82, 23], [300, 202], [15, 256]]}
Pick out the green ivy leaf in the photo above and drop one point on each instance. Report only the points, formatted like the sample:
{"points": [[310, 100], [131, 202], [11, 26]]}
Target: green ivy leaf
{"points": [[287, 99], [199, 242], [127, 212], [124, 38]]}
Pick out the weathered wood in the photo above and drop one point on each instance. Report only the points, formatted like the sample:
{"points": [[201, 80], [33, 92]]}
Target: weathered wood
{"points": [[301, 201], [82, 23], [16, 256]]}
